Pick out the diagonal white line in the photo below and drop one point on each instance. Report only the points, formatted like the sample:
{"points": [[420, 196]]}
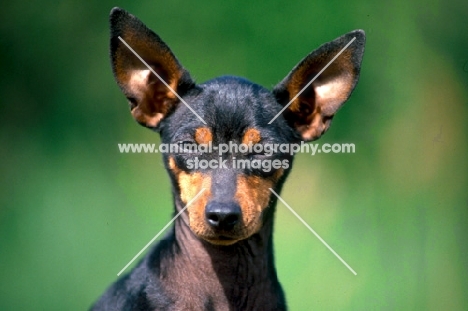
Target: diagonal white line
{"points": [[162, 230], [312, 230], [162, 80], [310, 82]]}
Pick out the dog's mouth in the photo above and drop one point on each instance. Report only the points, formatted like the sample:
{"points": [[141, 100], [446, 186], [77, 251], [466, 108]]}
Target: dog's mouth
{"points": [[225, 237], [222, 239]]}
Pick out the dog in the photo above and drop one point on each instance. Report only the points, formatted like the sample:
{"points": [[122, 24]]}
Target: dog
{"points": [[218, 255]]}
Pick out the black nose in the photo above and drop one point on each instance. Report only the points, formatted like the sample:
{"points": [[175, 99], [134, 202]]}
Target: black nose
{"points": [[222, 216]]}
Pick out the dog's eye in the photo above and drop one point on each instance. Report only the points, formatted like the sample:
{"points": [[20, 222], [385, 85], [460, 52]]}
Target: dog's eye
{"points": [[258, 155], [260, 152], [188, 147]]}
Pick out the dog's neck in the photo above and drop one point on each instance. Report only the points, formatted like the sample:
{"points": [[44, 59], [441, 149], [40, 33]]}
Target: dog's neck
{"points": [[245, 260], [239, 275]]}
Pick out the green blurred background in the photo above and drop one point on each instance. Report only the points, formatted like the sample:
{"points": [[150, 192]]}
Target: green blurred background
{"points": [[73, 211]]}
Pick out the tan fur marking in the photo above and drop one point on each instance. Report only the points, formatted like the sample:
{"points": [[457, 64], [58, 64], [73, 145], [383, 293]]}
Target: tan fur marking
{"points": [[253, 196], [173, 166], [203, 136], [190, 185], [251, 136], [146, 118]]}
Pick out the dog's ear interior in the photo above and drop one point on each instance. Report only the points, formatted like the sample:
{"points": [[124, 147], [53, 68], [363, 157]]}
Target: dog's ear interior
{"points": [[150, 99], [311, 112]]}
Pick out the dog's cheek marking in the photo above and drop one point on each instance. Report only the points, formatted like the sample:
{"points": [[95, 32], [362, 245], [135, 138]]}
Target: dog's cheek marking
{"points": [[203, 136], [253, 197], [190, 185], [251, 136]]}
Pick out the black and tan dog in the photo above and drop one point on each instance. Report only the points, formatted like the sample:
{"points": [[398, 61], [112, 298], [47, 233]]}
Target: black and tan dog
{"points": [[219, 253]]}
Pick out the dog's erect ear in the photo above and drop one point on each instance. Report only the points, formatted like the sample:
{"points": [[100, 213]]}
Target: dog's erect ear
{"points": [[150, 100], [312, 111]]}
